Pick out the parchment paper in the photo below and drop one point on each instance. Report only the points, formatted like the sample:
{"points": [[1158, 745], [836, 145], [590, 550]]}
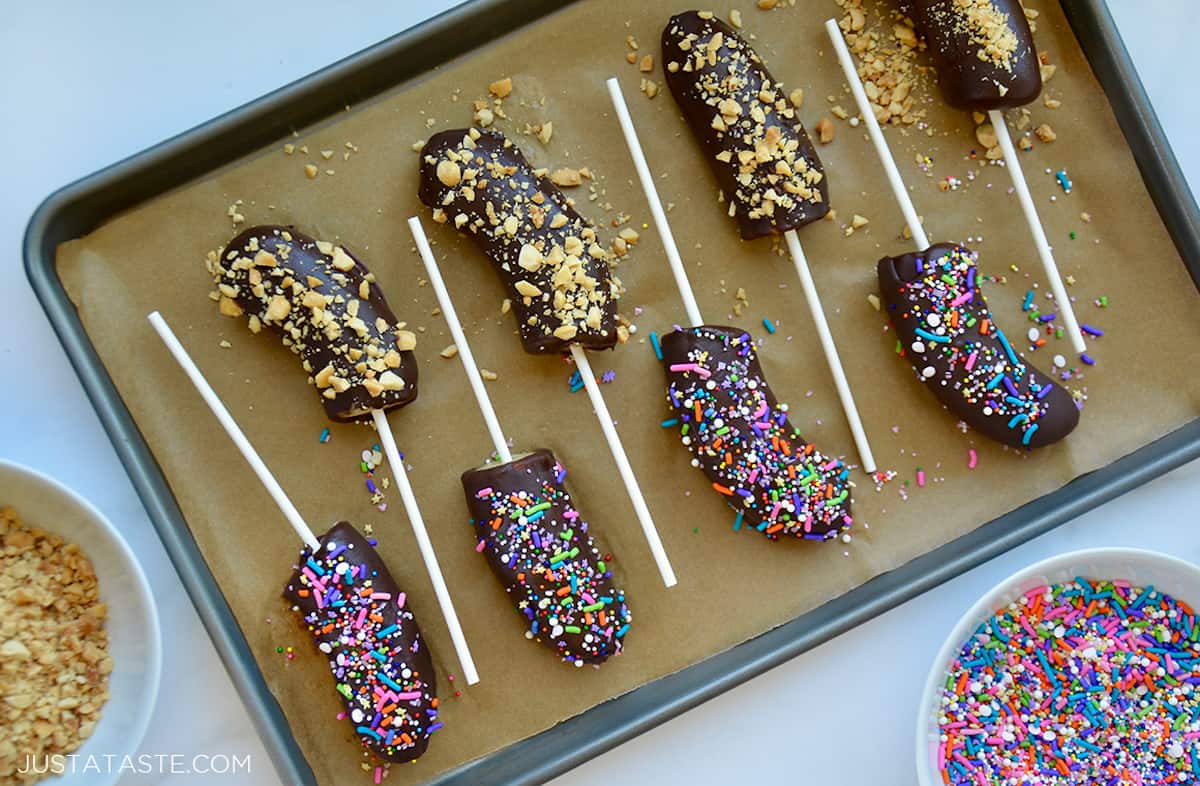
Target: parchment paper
{"points": [[732, 585]]}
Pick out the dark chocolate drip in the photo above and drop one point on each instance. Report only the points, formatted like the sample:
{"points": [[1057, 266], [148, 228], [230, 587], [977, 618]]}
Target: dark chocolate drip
{"points": [[741, 437], [542, 552], [960, 353], [326, 306], [763, 159], [982, 49], [360, 620], [547, 254]]}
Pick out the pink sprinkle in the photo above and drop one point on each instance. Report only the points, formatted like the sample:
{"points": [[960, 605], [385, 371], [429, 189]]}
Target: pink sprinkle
{"points": [[963, 298], [381, 596], [1039, 590], [400, 598], [411, 695], [762, 409], [483, 493], [941, 755], [972, 458], [378, 775], [480, 547], [752, 476], [362, 616], [571, 514], [831, 465], [341, 716], [703, 372], [971, 360], [587, 598], [775, 511], [319, 597], [921, 478]]}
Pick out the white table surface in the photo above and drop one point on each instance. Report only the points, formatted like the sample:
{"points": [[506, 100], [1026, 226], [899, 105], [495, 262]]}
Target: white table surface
{"points": [[84, 84]]}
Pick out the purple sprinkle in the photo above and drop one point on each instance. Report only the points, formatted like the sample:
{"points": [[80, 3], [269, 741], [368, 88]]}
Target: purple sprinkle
{"points": [[1088, 359], [371, 486], [1047, 317], [1091, 331], [1045, 391]]}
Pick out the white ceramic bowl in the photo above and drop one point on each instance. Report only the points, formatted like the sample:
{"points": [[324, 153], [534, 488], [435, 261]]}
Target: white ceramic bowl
{"points": [[134, 638], [1176, 577]]}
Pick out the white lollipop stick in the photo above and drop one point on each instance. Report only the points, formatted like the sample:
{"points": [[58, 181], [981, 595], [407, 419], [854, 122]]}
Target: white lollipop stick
{"points": [[460, 340], [831, 353], [235, 433], [656, 206], [876, 134], [425, 546], [1061, 298], [618, 454], [289, 510]]}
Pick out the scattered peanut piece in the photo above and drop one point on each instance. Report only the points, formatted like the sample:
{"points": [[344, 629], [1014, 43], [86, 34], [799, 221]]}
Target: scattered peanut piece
{"points": [[544, 132], [566, 177], [649, 87], [797, 97], [767, 5], [735, 18], [858, 222], [311, 171], [288, 149], [450, 351], [1050, 103], [646, 65], [490, 376], [824, 129], [1045, 133], [986, 135], [501, 88]]}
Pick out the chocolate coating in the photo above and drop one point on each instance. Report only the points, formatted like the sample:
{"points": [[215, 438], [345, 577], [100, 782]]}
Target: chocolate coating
{"points": [[982, 49], [359, 619], [546, 253], [741, 437], [540, 549], [963, 357], [764, 161], [325, 305]]}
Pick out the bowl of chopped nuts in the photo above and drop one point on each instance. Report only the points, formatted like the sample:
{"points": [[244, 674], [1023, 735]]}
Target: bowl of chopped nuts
{"points": [[80, 645]]}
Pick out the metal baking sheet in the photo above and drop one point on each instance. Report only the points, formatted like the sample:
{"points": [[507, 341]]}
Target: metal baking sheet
{"points": [[82, 206]]}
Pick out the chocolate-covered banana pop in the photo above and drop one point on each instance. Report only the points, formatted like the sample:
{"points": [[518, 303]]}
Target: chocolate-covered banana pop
{"points": [[741, 437], [546, 253], [982, 49], [758, 149], [528, 528], [326, 306], [328, 309], [987, 62], [727, 416], [360, 619], [549, 258], [761, 155], [540, 549], [946, 330], [957, 350], [357, 614]]}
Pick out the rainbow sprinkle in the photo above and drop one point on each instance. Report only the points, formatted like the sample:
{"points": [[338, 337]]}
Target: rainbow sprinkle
{"points": [[1087, 682]]}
